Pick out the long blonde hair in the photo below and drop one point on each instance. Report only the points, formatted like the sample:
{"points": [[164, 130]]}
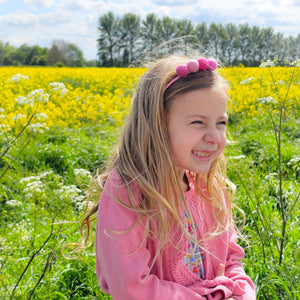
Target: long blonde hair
{"points": [[144, 156]]}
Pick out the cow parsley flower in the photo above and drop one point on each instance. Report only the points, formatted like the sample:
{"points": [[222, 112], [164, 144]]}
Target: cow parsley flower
{"points": [[34, 187], [41, 116], [38, 127], [38, 95], [18, 77], [21, 100], [18, 116], [58, 87]]}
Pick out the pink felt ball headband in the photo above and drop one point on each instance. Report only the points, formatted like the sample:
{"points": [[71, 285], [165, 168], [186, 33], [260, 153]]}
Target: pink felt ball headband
{"points": [[193, 66]]}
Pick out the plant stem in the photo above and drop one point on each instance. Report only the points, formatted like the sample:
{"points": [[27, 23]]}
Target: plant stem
{"points": [[31, 260], [18, 135], [9, 165], [277, 131], [47, 265], [259, 214]]}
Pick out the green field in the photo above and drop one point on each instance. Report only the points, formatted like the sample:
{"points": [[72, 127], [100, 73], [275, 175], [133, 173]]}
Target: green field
{"points": [[44, 176]]}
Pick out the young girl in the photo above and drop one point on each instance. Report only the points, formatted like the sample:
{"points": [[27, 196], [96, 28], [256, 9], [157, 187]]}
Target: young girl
{"points": [[164, 226]]}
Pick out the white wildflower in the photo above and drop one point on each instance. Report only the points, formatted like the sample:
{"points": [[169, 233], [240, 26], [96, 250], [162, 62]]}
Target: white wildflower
{"points": [[29, 195], [4, 127], [81, 205], [267, 64], [296, 63], [23, 229], [38, 127], [82, 173], [38, 95], [69, 192], [37, 177], [18, 77], [46, 173], [34, 187], [18, 116], [29, 178], [82, 177], [21, 100], [237, 157], [58, 87], [270, 176], [246, 81], [13, 203], [2, 117], [1, 110], [266, 100], [41, 116]]}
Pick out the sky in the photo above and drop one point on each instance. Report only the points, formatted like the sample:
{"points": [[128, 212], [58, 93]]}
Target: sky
{"points": [[40, 22]]}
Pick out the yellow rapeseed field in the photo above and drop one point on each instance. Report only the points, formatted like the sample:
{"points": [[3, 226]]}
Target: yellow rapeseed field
{"points": [[97, 95]]}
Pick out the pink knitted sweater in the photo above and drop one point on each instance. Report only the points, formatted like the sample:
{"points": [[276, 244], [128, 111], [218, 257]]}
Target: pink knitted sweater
{"points": [[123, 259]]}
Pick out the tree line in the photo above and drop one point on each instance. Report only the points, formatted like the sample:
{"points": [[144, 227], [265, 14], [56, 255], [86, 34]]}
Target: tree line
{"points": [[60, 53], [130, 40]]}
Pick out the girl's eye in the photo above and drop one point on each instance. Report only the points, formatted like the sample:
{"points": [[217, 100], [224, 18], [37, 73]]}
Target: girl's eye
{"points": [[197, 122], [222, 123]]}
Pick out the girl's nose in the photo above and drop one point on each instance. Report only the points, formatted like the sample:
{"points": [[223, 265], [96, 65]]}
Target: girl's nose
{"points": [[212, 136]]}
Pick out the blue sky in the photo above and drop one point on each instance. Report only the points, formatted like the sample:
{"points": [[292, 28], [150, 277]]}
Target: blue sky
{"points": [[39, 22]]}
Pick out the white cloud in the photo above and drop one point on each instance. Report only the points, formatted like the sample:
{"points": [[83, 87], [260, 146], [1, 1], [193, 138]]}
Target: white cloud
{"points": [[39, 3], [75, 21], [29, 19], [173, 2], [25, 19]]}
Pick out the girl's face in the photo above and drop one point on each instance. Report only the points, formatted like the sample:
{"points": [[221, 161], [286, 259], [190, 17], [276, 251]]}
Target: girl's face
{"points": [[196, 129]]}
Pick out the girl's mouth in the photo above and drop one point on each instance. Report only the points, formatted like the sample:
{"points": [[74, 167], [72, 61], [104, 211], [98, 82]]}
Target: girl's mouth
{"points": [[202, 153]]}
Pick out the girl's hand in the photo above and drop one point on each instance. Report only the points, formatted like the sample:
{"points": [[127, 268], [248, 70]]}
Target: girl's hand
{"points": [[221, 272]]}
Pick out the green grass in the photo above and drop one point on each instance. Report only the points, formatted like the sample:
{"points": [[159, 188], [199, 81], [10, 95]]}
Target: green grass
{"points": [[42, 187]]}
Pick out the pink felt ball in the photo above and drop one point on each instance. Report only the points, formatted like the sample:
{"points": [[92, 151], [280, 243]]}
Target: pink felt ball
{"points": [[193, 66], [203, 63], [182, 70], [212, 64]]}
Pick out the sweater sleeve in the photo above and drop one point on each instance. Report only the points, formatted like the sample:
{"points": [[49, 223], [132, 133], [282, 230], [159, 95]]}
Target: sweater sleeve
{"points": [[122, 258], [235, 271], [235, 283]]}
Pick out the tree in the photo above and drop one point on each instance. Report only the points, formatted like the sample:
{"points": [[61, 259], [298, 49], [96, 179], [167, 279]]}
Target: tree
{"points": [[292, 50], [297, 47], [123, 41], [55, 55], [216, 35], [74, 56], [278, 48], [130, 28], [108, 42], [229, 43], [9, 56], [37, 56], [151, 32], [256, 45], [185, 28], [201, 32], [2, 50], [168, 30], [65, 53], [21, 54], [244, 42], [267, 38]]}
